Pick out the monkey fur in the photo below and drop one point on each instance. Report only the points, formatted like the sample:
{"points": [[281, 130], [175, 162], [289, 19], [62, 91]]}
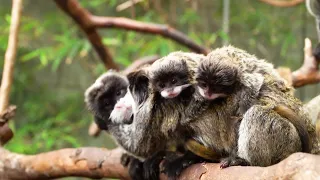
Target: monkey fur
{"points": [[273, 121]]}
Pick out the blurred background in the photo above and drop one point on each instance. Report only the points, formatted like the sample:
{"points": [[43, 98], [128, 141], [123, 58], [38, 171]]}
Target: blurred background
{"points": [[55, 62]]}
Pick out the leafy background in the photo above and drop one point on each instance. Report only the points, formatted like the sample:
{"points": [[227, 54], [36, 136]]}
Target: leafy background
{"points": [[55, 62]]}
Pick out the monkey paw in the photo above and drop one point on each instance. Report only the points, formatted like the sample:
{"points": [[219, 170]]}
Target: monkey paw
{"points": [[174, 165], [174, 169], [151, 165], [136, 169], [233, 161], [125, 159]]}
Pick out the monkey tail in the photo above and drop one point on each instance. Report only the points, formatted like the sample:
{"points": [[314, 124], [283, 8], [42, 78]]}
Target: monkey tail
{"points": [[300, 126]]}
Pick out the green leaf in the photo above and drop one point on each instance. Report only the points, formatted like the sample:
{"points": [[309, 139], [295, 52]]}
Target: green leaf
{"points": [[31, 55], [111, 41]]}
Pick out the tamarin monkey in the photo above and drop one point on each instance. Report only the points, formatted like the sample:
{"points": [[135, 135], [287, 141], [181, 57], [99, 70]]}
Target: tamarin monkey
{"points": [[172, 82], [273, 124], [102, 95], [100, 99], [144, 138]]}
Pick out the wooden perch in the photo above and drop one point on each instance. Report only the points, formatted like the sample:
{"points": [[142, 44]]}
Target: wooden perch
{"points": [[82, 162], [100, 162], [89, 23], [282, 3]]}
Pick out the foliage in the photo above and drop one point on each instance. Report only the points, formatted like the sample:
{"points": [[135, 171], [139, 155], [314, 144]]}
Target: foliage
{"points": [[56, 63]]}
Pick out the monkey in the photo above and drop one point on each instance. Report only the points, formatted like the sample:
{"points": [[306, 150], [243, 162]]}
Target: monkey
{"points": [[100, 98], [148, 113], [102, 95], [172, 79], [273, 124]]}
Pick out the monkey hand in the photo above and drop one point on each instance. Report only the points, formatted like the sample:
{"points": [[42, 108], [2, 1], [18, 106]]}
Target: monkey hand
{"points": [[233, 161], [173, 166], [135, 166]]}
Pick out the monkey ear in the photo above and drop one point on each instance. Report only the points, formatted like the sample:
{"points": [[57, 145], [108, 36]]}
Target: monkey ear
{"points": [[138, 78], [253, 81]]}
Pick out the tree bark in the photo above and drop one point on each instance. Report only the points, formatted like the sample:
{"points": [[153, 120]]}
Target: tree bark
{"points": [[102, 163]]}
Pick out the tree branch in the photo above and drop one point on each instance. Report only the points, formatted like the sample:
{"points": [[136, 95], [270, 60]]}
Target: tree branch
{"points": [[88, 23], [140, 62], [151, 28], [103, 163], [280, 3], [82, 162], [10, 56], [7, 75], [82, 17]]}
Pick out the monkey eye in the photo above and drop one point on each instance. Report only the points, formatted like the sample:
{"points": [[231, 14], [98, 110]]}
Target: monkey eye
{"points": [[174, 81], [161, 85], [118, 93], [202, 85], [106, 103]]}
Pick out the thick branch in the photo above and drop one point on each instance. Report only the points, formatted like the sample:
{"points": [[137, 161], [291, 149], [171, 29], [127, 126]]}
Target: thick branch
{"points": [[99, 163], [281, 3], [89, 23], [83, 18], [81, 162], [309, 71], [140, 62]]}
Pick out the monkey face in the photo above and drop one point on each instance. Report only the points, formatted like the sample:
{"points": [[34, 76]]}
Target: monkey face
{"points": [[216, 79], [136, 95], [122, 112], [104, 94], [171, 79]]}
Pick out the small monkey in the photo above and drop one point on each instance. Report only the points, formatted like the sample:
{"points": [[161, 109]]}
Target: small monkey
{"points": [[101, 96], [273, 122]]}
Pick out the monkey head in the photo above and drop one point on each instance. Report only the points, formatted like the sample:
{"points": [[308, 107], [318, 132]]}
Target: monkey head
{"points": [[173, 73], [101, 96], [136, 95], [216, 77]]}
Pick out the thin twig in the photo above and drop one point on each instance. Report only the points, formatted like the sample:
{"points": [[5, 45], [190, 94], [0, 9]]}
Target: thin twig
{"points": [[10, 56]]}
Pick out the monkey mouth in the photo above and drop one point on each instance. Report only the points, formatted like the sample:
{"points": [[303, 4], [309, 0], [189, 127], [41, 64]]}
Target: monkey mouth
{"points": [[172, 95], [214, 96], [130, 120]]}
